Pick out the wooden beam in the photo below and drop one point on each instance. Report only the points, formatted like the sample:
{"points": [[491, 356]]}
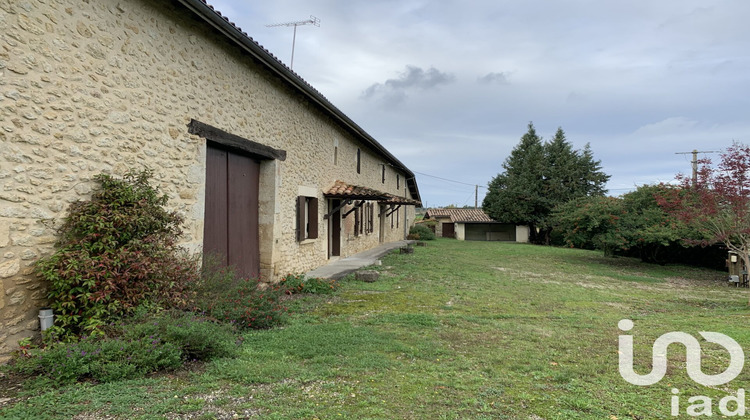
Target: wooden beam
{"points": [[356, 206], [235, 142], [341, 206]]}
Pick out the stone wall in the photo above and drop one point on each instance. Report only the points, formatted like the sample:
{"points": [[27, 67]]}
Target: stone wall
{"points": [[89, 87]]}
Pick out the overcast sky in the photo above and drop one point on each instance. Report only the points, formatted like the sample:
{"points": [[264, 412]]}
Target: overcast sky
{"points": [[449, 86]]}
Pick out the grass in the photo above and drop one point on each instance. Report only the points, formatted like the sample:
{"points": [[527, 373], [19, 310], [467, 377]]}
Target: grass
{"points": [[457, 330]]}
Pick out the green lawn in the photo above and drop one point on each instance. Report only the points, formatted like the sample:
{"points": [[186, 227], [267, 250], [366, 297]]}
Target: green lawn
{"points": [[474, 330]]}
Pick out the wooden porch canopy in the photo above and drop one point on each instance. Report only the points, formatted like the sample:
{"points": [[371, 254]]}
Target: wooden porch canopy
{"points": [[394, 199], [345, 191], [351, 193]]}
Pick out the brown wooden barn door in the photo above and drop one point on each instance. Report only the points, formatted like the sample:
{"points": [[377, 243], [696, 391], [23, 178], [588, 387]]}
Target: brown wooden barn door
{"points": [[231, 221]]}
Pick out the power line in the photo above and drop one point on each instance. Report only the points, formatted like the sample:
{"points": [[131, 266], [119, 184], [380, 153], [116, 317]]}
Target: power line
{"points": [[694, 162], [450, 180]]}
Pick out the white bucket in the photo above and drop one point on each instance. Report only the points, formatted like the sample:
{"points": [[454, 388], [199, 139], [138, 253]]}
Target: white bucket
{"points": [[46, 318]]}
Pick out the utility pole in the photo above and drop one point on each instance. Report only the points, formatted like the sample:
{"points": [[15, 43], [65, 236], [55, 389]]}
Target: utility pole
{"points": [[312, 21], [476, 196], [694, 162]]}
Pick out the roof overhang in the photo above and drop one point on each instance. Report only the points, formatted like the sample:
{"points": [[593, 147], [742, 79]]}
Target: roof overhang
{"points": [[342, 190]]}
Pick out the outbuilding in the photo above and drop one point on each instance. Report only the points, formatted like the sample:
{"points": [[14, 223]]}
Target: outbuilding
{"points": [[474, 225]]}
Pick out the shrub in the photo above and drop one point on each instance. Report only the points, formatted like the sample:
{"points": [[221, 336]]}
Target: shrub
{"points": [[198, 337], [102, 359], [244, 302], [116, 251], [297, 283], [422, 233], [135, 348]]}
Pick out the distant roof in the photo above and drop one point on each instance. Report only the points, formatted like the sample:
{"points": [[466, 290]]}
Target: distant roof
{"points": [[234, 34], [459, 215]]}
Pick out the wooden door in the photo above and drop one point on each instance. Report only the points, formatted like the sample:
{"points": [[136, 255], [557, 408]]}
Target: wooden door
{"points": [[448, 230], [230, 229], [334, 230]]}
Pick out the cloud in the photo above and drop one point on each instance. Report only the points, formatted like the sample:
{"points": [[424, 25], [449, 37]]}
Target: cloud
{"points": [[494, 78], [673, 125], [394, 91]]}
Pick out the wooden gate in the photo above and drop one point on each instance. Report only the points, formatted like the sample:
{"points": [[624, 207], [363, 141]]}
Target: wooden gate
{"points": [[230, 229]]}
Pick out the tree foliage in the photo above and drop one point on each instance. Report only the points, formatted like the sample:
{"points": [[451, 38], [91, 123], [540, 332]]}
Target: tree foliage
{"points": [[539, 176], [717, 205], [634, 224]]}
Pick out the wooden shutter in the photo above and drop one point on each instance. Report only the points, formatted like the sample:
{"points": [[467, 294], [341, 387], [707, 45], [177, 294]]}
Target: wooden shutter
{"points": [[312, 218], [361, 225], [372, 217], [301, 218], [356, 222]]}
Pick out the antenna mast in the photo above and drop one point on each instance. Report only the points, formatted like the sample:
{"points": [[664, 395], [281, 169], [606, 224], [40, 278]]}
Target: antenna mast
{"points": [[312, 21], [694, 162]]}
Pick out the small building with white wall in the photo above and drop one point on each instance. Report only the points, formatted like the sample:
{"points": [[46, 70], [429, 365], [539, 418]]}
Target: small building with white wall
{"points": [[474, 225]]}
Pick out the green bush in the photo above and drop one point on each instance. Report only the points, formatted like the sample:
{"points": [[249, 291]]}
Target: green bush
{"points": [[243, 302], [198, 337], [135, 348], [297, 283], [422, 233], [102, 359], [116, 251]]}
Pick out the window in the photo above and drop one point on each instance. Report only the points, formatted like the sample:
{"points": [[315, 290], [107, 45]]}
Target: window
{"points": [[398, 182], [359, 160], [383, 176], [335, 155], [307, 218]]}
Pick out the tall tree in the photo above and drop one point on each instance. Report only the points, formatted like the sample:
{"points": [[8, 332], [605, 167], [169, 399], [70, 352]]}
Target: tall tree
{"points": [[517, 194], [540, 176], [718, 204]]}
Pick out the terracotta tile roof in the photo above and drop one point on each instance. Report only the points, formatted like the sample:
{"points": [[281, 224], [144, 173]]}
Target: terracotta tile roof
{"points": [[459, 215], [394, 199], [341, 189]]}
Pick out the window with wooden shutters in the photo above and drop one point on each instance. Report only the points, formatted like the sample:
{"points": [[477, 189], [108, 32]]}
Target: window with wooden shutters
{"points": [[307, 218], [382, 178], [359, 166], [398, 182]]}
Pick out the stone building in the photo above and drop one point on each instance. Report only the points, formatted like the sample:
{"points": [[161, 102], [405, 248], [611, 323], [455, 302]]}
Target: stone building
{"points": [[263, 167], [474, 225]]}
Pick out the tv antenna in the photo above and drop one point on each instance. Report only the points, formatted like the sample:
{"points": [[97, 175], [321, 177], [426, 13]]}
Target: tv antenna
{"points": [[694, 162], [312, 21]]}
